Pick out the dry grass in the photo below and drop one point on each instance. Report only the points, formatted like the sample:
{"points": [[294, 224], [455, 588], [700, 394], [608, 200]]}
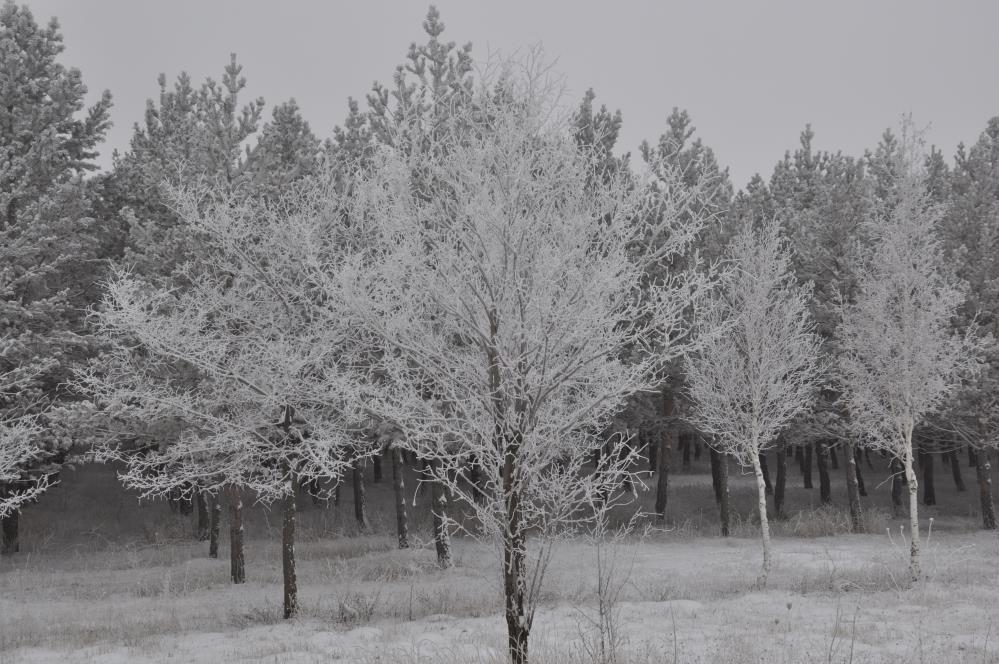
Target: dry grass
{"points": [[102, 579]]}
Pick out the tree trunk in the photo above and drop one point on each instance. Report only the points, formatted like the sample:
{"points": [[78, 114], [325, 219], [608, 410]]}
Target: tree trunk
{"points": [[972, 457], [858, 458], [686, 442], [438, 507], [214, 526], [288, 549], [376, 469], [807, 466], [799, 456], [766, 473], [929, 490], [983, 471], [518, 620], [910, 476], [662, 474], [761, 491], [237, 560], [653, 449], [822, 463], [955, 469], [399, 488], [780, 486], [10, 528], [697, 447], [716, 474], [833, 458], [897, 481], [852, 486], [357, 474], [204, 518]]}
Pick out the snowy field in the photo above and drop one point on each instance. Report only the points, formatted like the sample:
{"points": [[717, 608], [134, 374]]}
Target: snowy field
{"points": [[133, 587]]}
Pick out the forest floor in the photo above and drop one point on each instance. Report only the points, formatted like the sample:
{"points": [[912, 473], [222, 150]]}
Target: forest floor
{"points": [[101, 578]]}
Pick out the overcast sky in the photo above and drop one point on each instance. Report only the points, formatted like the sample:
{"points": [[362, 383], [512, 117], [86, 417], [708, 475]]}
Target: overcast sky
{"points": [[750, 73]]}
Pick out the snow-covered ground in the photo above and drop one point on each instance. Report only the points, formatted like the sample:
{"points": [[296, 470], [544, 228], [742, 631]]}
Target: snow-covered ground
{"points": [[693, 600], [102, 580]]}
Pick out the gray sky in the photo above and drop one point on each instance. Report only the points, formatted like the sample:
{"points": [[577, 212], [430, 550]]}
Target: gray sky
{"points": [[750, 73]]}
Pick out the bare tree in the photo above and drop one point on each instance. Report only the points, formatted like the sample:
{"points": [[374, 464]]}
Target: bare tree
{"points": [[758, 363], [900, 358], [505, 288]]}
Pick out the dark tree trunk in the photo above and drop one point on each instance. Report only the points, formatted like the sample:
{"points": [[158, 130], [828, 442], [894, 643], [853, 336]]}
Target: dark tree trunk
{"points": [[214, 527], [716, 474], [357, 474], [204, 518], [853, 486], [867, 457], [662, 474], [780, 485], [765, 469], [399, 489], [955, 469], [376, 468], [518, 620], [858, 459], [10, 529], [186, 501], [807, 466], [723, 504], [822, 462], [972, 457], [833, 458], [288, 550], [897, 480], [983, 470], [686, 442], [799, 456], [929, 490], [237, 560], [438, 506], [653, 451], [697, 447]]}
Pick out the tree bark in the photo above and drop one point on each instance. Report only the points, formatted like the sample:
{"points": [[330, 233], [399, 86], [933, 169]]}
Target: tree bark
{"points": [[853, 486], [983, 471], [972, 457], [799, 456], [357, 474], [929, 489], [716, 474], [288, 549], [399, 489], [653, 451], [897, 481], [662, 474], [10, 529], [766, 473], [204, 519], [376, 469], [955, 469], [858, 458], [214, 527], [822, 463], [237, 559], [910, 475], [761, 491], [833, 458], [686, 442], [780, 486], [438, 507], [807, 466]]}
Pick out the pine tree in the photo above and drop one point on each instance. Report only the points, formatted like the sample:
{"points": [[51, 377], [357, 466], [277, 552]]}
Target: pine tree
{"points": [[49, 242]]}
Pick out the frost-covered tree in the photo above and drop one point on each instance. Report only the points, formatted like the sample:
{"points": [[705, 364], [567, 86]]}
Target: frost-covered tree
{"points": [[900, 357], [505, 289], [757, 365], [271, 406], [50, 244]]}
